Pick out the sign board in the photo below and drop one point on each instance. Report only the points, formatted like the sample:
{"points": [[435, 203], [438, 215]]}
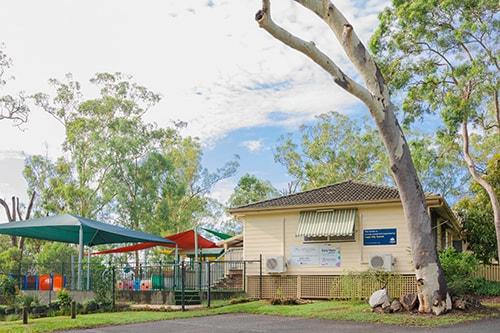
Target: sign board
{"points": [[380, 236], [315, 255]]}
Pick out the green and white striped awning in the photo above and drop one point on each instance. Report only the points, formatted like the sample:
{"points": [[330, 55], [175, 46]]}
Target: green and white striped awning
{"points": [[337, 222]]}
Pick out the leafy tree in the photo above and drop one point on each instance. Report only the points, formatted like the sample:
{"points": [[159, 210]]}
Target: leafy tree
{"points": [[333, 149], [12, 107], [442, 57], [440, 169], [477, 216], [9, 260], [375, 95], [251, 189], [100, 134], [116, 165], [53, 257]]}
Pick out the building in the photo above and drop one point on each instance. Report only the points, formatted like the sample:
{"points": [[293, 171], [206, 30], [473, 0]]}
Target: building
{"points": [[309, 240]]}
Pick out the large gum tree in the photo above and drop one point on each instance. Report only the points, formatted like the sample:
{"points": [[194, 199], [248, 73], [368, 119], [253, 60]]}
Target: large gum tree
{"points": [[442, 57], [374, 93]]}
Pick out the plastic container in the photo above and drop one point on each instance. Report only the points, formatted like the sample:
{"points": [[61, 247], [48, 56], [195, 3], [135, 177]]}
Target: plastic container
{"points": [[145, 285], [128, 285], [157, 282], [58, 282], [45, 282], [30, 282], [120, 285], [137, 284]]}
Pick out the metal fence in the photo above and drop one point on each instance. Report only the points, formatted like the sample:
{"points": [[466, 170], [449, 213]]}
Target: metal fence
{"points": [[208, 279]]}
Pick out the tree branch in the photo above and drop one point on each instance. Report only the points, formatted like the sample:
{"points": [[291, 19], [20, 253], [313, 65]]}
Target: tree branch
{"points": [[18, 208], [7, 210], [30, 206], [309, 49], [14, 217], [353, 47]]}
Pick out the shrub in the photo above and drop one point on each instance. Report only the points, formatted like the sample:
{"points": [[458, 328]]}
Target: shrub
{"points": [[40, 310], [458, 268], [8, 289], [2, 310], [64, 298], [25, 300], [90, 306], [483, 287]]}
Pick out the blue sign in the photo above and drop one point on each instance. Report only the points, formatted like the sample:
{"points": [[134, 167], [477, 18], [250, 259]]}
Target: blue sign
{"points": [[380, 236]]}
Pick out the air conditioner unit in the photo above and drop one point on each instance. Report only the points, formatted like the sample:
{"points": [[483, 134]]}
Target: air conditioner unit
{"points": [[275, 264], [383, 262]]}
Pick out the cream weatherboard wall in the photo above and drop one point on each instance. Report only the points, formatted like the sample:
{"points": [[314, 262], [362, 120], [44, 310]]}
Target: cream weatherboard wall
{"points": [[273, 234]]}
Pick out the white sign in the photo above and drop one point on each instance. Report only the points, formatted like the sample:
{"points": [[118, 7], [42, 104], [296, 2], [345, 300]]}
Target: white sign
{"points": [[315, 254]]}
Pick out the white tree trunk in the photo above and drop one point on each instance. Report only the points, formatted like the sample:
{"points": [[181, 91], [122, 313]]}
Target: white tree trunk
{"points": [[471, 165], [432, 289]]}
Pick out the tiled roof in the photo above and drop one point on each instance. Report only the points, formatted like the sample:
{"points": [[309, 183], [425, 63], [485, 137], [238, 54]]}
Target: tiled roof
{"points": [[348, 191]]}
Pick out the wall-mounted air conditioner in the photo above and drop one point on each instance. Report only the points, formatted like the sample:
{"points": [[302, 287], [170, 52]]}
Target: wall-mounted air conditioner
{"points": [[275, 264], [383, 262]]}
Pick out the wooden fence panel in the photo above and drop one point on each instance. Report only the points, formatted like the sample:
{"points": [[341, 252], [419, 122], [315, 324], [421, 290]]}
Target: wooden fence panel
{"points": [[489, 272], [327, 286]]}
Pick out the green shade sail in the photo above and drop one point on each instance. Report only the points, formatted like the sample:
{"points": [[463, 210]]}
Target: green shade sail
{"points": [[221, 235], [65, 228]]}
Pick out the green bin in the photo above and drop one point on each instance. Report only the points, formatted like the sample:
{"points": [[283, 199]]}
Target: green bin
{"points": [[157, 281]]}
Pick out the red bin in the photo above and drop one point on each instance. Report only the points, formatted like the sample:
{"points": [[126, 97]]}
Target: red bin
{"points": [[44, 282]]}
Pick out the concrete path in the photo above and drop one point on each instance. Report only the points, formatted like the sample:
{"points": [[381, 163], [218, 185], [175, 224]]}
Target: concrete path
{"points": [[239, 323]]}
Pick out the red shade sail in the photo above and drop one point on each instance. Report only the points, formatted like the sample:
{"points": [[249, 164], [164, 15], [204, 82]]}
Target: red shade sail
{"points": [[184, 240]]}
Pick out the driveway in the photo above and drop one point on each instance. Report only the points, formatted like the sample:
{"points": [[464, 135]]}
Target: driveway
{"points": [[233, 323]]}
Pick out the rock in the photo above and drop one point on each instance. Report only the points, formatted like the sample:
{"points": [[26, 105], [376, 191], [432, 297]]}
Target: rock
{"points": [[377, 309], [379, 297], [386, 307], [465, 302], [409, 301], [458, 303], [396, 306]]}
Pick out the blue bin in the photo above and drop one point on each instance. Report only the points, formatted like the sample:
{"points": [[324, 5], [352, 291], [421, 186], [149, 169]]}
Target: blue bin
{"points": [[137, 284]]}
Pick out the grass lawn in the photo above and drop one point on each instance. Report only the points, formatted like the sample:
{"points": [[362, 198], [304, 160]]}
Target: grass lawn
{"points": [[333, 310]]}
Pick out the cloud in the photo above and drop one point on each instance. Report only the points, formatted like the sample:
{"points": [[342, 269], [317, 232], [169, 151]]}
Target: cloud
{"points": [[223, 190], [216, 69], [253, 145]]}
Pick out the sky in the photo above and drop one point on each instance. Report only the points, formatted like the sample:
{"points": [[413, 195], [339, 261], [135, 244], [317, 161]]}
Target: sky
{"points": [[238, 88]]}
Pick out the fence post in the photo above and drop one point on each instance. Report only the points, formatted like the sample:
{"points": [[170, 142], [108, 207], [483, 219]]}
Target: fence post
{"points": [[73, 309], [161, 277], [183, 276], [113, 288], [51, 286], [72, 272], [244, 276], [174, 277], [209, 282], [25, 315], [62, 274], [260, 276]]}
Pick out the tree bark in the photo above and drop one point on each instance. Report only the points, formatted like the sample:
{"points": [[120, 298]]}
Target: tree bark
{"points": [[432, 288], [490, 190]]}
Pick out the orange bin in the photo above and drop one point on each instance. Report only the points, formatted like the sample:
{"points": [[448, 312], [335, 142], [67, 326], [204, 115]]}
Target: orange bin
{"points": [[145, 284], [58, 282], [120, 285], [45, 282]]}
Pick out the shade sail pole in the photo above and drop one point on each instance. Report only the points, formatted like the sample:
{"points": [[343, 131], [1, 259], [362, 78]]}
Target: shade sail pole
{"points": [[195, 229], [88, 268], [80, 258]]}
